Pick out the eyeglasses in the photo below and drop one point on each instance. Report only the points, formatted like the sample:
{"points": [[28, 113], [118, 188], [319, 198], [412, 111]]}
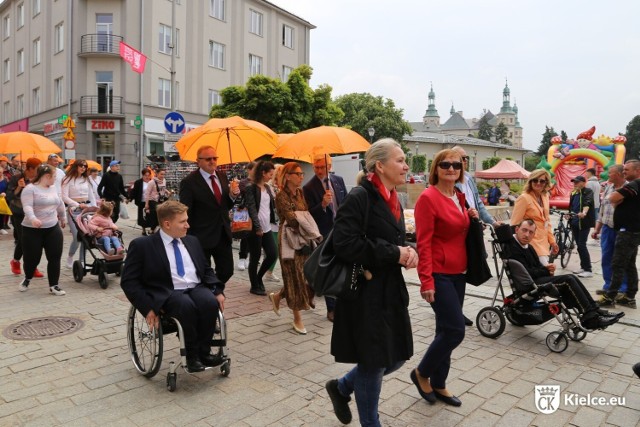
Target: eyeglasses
{"points": [[300, 174], [209, 159], [446, 165], [539, 181], [465, 158]]}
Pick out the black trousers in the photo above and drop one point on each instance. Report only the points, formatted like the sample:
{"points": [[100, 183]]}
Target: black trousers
{"points": [[573, 292], [244, 248], [16, 221], [222, 258], [197, 310], [34, 241], [256, 244]]}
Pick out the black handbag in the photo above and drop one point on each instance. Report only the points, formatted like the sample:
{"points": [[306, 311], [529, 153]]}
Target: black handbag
{"points": [[478, 270], [328, 274]]}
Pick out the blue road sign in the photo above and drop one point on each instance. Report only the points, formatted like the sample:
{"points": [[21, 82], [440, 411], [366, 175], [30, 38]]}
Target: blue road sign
{"points": [[174, 122]]}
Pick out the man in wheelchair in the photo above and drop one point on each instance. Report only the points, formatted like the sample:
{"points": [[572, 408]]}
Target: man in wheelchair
{"points": [[166, 273], [571, 289]]}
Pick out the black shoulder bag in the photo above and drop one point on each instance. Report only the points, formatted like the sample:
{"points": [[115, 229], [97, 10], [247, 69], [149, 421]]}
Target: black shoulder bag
{"points": [[478, 270]]}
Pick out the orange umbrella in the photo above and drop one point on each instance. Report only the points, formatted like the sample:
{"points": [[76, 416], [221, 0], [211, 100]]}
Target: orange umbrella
{"points": [[90, 164], [284, 137], [323, 140], [235, 139], [41, 156], [26, 143]]}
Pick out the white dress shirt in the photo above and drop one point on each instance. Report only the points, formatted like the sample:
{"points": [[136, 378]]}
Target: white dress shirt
{"points": [[190, 279]]}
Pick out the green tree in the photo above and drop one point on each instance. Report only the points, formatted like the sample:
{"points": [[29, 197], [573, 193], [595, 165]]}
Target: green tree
{"points": [[363, 110], [490, 162], [286, 107], [564, 136], [531, 161], [485, 132], [501, 133], [633, 139], [418, 163], [546, 140]]}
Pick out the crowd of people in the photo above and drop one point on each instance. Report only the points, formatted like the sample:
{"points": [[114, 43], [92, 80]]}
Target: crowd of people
{"points": [[372, 331]]}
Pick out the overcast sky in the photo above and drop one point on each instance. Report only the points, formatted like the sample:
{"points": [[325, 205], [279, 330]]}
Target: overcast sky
{"points": [[570, 64]]}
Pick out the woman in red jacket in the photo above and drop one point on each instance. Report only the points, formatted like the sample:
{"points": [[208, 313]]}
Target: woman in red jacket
{"points": [[442, 222]]}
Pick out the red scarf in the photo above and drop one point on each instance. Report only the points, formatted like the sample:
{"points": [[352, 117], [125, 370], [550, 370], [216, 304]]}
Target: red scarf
{"points": [[390, 197]]}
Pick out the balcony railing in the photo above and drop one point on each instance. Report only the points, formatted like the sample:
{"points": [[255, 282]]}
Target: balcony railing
{"points": [[101, 106], [100, 44]]}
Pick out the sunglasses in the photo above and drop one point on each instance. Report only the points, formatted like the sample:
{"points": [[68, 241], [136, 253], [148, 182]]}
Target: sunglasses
{"points": [[82, 166], [209, 159], [300, 174], [465, 158], [446, 165], [539, 181]]}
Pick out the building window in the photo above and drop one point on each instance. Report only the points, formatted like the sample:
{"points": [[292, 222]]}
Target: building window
{"points": [[164, 92], [20, 59], [58, 38], [20, 106], [36, 51], [6, 112], [164, 40], [255, 65], [214, 98], [286, 71], [58, 92], [35, 100], [6, 26], [6, 70], [256, 22], [20, 16], [216, 55], [36, 7], [216, 9], [287, 36]]}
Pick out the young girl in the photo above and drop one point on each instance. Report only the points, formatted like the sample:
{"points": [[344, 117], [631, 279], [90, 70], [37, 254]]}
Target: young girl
{"points": [[102, 226]]}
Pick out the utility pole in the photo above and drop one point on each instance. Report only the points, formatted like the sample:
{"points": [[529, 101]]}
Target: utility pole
{"points": [[173, 55]]}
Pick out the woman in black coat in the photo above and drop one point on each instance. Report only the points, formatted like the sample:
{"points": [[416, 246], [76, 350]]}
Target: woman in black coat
{"points": [[138, 195], [374, 330]]}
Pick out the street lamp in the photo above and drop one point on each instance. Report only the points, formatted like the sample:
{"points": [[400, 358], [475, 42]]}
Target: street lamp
{"points": [[372, 132], [417, 145]]}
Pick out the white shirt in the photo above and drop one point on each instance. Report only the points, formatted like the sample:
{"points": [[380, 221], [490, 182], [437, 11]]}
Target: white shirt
{"points": [[78, 189], [209, 181], [468, 193], [190, 279], [41, 203], [59, 177], [264, 211]]}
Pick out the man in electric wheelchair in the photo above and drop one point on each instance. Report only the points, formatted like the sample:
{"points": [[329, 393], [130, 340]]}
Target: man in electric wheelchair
{"points": [[166, 273], [568, 286]]}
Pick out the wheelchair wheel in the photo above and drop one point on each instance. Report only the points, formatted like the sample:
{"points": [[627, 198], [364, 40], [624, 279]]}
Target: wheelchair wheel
{"points": [[172, 379], [567, 249], [576, 334], [225, 368], [145, 345], [490, 322], [102, 280], [557, 342], [78, 271]]}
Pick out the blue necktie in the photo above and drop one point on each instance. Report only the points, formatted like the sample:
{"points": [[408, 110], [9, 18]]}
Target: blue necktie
{"points": [[179, 264]]}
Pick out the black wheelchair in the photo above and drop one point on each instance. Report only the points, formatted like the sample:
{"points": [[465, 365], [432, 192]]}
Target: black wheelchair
{"points": [[146, 344]]}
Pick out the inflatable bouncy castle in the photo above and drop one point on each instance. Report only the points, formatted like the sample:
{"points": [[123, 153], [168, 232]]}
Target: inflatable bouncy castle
{"points": [[568, 159]]}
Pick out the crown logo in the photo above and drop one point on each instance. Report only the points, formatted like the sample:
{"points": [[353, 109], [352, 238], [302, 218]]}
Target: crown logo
{"points": [[547, 391]]}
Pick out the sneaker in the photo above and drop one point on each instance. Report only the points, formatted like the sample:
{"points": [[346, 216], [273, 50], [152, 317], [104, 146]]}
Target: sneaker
{"points": [[24, 286], [37, 274], [270, 277], [69, 263], [578, 271], [15, 267], [605, 301], [600, 291], [120, 250], [112, 251], [340, 402], [242, 264], [55, 290], [585, 274], [3, 231], [623, 299]]}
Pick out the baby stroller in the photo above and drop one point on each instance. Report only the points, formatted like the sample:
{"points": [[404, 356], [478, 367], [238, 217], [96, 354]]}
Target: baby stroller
{"points": [[103, 263], [528, 303]]}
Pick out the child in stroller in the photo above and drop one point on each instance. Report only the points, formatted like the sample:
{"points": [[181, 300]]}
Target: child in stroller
{"points": [[102, 228]]}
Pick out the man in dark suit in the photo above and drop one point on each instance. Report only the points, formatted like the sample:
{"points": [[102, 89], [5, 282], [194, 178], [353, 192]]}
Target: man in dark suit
{"points": [[323, 194], [209, 199], [167, 273]]}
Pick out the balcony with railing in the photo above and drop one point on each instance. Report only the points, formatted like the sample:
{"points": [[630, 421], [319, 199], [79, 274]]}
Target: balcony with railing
{"points": [[101, 106], [99, 44]]}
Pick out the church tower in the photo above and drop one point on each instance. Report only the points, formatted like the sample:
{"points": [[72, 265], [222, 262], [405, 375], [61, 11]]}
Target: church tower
{"points": [[431, 118], [507, 115]]}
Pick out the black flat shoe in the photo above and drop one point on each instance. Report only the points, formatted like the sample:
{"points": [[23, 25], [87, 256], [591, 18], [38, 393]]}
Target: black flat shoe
{"points": [[194, 365], [429, 397], [210, 359], [467, 321], [449, 400], [340, 403], [258, 292]]}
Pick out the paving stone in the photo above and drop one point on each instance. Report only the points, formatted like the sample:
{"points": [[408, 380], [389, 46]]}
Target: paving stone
{"points": [[588, 417]]}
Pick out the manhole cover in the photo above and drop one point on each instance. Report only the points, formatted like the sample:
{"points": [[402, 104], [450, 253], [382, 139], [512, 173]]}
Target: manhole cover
{"points": [[42, 328]]}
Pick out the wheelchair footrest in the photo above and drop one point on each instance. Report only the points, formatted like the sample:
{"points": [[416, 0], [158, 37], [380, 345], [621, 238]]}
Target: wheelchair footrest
{"points": [[218, 343]]}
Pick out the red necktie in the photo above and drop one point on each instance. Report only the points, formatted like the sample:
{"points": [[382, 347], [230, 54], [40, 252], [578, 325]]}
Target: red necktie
{"points": [[216, 190]]}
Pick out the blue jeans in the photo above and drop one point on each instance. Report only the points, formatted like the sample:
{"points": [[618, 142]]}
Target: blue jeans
{"points": [[607, 243], [107, 241], [581, 236], [366, 383], [624, 261], [435, 364]]}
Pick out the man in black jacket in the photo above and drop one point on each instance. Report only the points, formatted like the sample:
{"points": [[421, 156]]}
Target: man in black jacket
{"points": [[111, 187], [573, 291], [581, 203]]}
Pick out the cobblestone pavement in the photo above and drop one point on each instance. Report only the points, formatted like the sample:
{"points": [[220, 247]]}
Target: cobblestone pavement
{"points": [[277, 377]]}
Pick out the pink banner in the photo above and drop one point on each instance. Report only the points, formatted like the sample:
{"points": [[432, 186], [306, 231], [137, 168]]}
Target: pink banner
{"points": [[136, 59]]}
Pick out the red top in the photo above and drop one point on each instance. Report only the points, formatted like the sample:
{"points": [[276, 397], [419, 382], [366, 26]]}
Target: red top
{"points": [[441, 231]]}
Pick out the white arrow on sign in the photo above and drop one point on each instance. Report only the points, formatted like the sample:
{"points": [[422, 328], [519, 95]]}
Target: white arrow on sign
{"points": [[174, 124]]}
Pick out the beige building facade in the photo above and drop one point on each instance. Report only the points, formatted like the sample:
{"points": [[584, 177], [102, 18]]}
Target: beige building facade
{"points": [[62, 57]]}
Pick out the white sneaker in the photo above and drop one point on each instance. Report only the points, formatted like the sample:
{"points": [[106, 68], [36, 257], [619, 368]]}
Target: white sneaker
{"points": [[578, 271], [242, 264], [3, 231], [271, 277], [24, 286], [585, 274], [69, 261], [55, 290]]}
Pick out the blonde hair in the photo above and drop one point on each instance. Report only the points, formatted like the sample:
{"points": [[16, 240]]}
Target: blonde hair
{"points": [[536, 174], [105, 209], [440, 156], [286, 169], [379, 152], [168, 210]]}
